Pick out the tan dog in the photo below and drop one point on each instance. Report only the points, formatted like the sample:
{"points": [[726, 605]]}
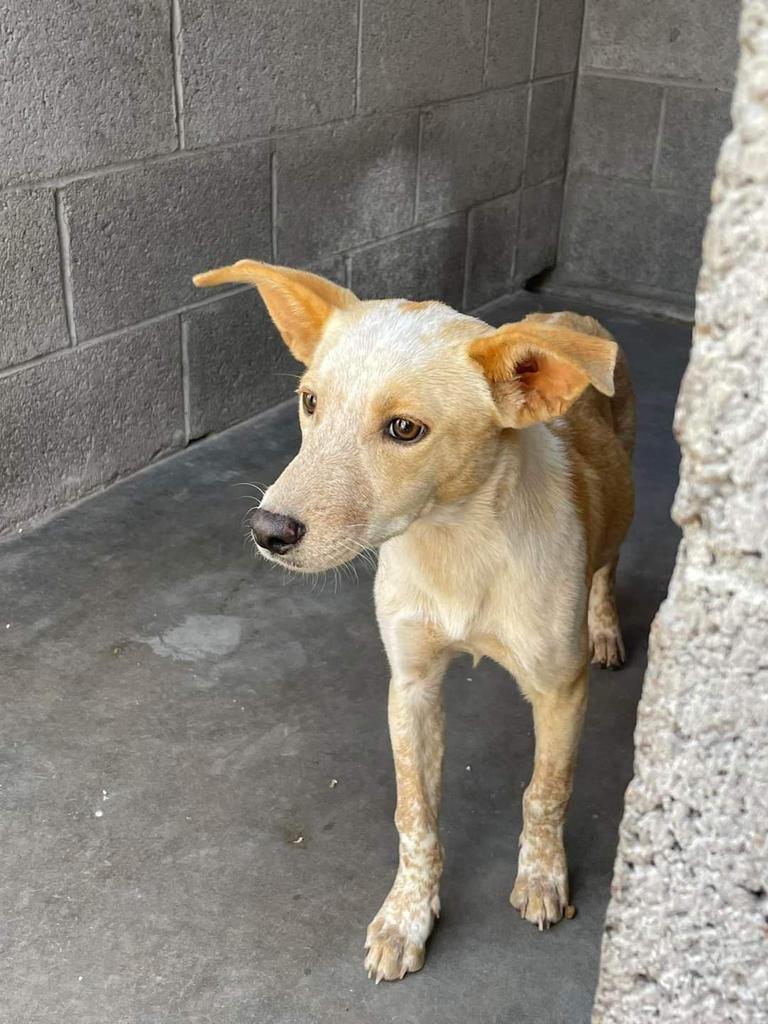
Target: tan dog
{"points": [[492, 469]]}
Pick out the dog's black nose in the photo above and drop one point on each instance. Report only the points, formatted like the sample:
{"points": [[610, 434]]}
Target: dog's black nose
{"points": [[276, 533]]}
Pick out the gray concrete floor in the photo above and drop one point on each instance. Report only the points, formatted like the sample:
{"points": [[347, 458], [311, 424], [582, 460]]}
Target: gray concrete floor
{"points": [[173, 713]]}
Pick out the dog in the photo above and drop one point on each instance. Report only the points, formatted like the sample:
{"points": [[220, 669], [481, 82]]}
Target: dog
{"points": [[491, 467]]}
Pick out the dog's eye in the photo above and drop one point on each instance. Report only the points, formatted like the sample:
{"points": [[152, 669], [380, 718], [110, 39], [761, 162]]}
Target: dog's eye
{"points": [[401, 429], [309, 401]]}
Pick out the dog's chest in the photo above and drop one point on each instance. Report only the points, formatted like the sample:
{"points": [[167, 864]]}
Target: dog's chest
{"points": [[521, 609]]}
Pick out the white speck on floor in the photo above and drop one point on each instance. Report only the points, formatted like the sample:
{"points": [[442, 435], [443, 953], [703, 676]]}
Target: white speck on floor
{"points": [[333, 783], [98, 814]]}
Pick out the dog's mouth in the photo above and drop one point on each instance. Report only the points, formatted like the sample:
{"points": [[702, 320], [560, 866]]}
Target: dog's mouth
{"points": [[285, 560], [297, 559], [307, 568]]}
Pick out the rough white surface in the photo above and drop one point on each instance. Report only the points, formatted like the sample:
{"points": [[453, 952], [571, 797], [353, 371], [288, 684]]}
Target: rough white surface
{"points": [[686, 931]]}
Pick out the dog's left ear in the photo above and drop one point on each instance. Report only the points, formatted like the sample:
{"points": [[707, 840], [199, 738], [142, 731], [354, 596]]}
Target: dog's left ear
{"points": [[299, 303], [537, 370]]}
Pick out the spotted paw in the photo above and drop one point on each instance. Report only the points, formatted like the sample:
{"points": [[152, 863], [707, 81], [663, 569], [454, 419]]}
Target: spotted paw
{"points": [[607, 648], [396, 939], [540, 898], [390, 955]]}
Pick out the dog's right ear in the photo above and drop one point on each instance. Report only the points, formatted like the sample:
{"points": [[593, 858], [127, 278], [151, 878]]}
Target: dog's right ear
{"points": [[299, 303]]}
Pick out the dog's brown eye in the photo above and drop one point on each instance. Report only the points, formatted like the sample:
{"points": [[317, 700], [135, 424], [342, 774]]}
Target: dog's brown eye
{"points": [[406, 430], [309, 401]]}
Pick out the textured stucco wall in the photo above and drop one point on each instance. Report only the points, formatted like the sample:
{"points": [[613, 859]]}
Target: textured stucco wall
{"points": [[685, 939], [652, 110], [412, 147]]}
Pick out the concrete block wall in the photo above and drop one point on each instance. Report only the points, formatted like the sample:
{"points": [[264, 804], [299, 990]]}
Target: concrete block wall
{"points": [[415, 147], [652, 108]]}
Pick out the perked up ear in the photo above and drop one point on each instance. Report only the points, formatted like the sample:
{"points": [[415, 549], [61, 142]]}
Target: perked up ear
{"points": [[299, 303], [537, 370]]}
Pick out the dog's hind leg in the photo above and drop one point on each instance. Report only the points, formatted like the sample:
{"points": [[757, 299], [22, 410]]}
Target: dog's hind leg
{"points": [[541, 888], [397, 935], [606, 644]]}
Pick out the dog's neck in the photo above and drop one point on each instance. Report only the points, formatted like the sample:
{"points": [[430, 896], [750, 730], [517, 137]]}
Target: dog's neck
{"points": [[527, 482], [525, 501]]}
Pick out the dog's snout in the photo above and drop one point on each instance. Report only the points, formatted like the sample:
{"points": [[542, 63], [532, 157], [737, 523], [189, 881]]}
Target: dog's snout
{"points": [[275, 532]]}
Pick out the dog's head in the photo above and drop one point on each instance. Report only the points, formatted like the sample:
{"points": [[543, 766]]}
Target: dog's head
{"points": [[402, 406]]}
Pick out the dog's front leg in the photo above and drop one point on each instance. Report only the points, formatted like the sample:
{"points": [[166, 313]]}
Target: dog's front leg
{"points": [[397, 935], [541, 888]]}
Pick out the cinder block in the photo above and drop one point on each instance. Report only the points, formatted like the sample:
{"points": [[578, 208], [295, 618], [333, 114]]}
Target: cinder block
{"points": [[615, 127], [426, 263], [558, 37], [249, 69], [695, 123], [86, 84], [33, 320], [86, 416], [340, 187], [627, 237], [415, 53], [138, 237], [471, 150], [491, 248], [548, 130], [695, 39], [510, 42], [540, 209], [237, 364]]}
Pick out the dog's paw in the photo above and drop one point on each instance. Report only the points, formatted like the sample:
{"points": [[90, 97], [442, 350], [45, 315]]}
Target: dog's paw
{"points": [[541, 898], [390, 955], [607, 648], [396, 939]]}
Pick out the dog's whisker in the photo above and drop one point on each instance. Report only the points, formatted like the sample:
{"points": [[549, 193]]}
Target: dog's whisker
{"points": [[361, 551], [251, 483]]}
